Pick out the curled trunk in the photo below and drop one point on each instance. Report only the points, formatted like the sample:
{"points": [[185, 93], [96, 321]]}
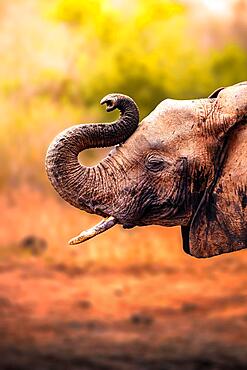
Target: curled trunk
{"points": [[73, 181]]}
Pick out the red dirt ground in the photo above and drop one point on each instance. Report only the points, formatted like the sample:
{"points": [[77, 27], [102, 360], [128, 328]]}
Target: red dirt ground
{"points": [[180, 314]]}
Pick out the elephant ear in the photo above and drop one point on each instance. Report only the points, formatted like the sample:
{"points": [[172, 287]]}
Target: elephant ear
{"points": [[220, 221], [215, 93]]}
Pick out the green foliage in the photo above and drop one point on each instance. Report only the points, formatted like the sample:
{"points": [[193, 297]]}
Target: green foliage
{"points": [[228, 66], [124, 47], [144, 49], [68, 54]]}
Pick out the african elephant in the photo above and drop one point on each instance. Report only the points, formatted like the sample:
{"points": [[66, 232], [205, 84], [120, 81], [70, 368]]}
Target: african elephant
{"points": [[184, 164]]}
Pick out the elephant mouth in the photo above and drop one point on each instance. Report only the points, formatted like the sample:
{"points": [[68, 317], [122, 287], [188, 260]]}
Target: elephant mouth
{"points": [[109, 221], [171, 216]]}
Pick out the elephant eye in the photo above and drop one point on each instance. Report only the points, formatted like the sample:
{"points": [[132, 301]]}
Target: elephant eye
{"points": [[155, 164]]}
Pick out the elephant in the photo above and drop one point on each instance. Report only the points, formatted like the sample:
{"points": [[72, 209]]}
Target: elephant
{"points": [[184, 164]]}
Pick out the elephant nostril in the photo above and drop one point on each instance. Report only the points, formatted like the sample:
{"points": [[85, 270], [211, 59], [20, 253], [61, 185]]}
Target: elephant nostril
{"points": [[110, 104]]}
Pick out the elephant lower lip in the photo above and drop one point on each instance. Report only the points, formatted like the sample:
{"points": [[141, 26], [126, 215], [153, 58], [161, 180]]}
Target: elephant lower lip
{"points": [[128, 226]]}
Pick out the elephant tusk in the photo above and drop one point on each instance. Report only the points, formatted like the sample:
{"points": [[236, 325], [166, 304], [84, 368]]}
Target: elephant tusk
{"points": [[102, 226]]}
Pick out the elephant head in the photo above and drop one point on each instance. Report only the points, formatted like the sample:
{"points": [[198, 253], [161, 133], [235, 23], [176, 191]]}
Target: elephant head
{"points": [[184, 164]]}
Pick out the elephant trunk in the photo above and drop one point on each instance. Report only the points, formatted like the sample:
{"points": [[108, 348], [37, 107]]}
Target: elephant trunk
{"points": [[77, 183]]}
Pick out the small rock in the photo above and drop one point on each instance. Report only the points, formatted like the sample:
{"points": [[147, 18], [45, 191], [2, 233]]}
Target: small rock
{"points": [[189, 307], [84, 304], [141, 319], [34, 244]]}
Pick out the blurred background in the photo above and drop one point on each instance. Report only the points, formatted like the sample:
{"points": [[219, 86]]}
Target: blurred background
{"points": [[128, 299]]}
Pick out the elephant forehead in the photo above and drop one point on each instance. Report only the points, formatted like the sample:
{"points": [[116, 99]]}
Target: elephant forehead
{"points": [[171, 120], [172, 112]]}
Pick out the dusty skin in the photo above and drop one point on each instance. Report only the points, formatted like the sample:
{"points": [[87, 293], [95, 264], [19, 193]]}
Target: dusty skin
{"points": [[183, 165], [142, 306]]}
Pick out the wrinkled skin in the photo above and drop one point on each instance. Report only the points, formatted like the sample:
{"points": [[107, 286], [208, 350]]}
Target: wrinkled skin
{"points": [[184, 164]]}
